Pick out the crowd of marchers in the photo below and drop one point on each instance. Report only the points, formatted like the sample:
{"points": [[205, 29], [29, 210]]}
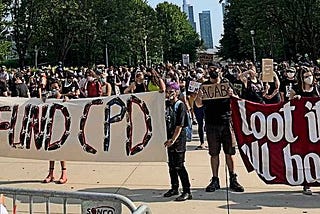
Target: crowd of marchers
{"points": [[290, 81]]}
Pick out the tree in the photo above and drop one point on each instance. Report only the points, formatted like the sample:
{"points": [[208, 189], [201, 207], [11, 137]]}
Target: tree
{"points": [[24, 15], [283, 29], [178, 36], [5, 45]]}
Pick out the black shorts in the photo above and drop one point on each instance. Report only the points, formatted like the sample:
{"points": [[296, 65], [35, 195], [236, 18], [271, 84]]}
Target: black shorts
{"points": [[218, 135]]}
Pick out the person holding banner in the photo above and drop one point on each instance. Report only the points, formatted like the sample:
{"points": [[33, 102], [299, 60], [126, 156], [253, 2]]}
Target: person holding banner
{"points": [[218, 128], [306, 87], [176, 123], [138, 85], [55, 92]]}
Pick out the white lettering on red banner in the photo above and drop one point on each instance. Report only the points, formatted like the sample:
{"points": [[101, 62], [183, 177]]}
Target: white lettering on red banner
{"points": [[281, 142]]}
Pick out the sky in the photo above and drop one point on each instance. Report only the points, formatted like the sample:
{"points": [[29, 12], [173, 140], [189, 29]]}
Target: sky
{"points": [[199, 6]]}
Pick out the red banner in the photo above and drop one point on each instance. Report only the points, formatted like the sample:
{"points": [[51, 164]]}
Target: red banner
{"points": [[281, 142]]}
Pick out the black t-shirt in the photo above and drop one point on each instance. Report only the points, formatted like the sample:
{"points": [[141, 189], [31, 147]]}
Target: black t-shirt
{"points": [[286, 86], [3, 88], [20, 90], [70, 87], [239, 88], [217, 111], [254, 91], [314, 93], [140, 87], [176, 115]]}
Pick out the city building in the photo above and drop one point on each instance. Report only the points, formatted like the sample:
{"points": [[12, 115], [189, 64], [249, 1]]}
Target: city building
{"points": [[188, 9], [205, 29]]}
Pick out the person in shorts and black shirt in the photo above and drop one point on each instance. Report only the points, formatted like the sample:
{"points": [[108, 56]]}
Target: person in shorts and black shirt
{"points": [[219, 132], [176, 122]]}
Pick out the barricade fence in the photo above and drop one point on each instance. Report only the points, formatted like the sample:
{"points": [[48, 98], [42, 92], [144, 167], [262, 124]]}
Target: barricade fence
{"points": [[91, 203]]}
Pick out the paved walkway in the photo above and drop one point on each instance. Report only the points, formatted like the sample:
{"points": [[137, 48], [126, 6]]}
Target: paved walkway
{"points": [[146, 182]]}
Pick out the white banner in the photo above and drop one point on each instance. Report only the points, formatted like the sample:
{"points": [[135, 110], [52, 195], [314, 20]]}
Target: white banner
{"points": [[117, 128]]}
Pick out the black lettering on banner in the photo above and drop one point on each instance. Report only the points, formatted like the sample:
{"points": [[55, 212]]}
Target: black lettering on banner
{"points": [[12, 125], [67, 124], [43, 122], [25, 122], [4, 125], [148, 134], [81, 136], [108, 119]]}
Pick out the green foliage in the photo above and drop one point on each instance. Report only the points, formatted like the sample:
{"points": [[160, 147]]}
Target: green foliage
{"points": [[77, 32], [178, 36], [283, 28]]}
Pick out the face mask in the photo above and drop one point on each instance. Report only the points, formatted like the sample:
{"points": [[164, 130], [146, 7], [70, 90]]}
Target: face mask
{"points": [[290, 75], [171, 96], [213, 75], [90, 79], [103, 80], [199, 75], [308, 80]]}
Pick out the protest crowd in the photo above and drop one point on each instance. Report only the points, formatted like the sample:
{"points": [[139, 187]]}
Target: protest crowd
{"points": [[179, 82]]}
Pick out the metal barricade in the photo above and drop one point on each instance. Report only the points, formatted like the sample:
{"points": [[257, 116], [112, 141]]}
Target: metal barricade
{"points": [[102, 198]]}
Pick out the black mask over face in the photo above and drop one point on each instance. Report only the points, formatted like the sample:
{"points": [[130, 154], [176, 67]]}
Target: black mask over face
{"points": [[213, 75]]}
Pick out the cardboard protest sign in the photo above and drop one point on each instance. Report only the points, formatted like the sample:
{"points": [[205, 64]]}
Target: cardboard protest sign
{"points": [[267, 70], [205, 58], [185, 59], [115, 128], [215, 91], [194, 86]]}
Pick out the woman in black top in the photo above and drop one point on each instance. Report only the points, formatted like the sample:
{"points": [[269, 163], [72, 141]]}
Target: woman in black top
{"points": [[138, 85], [306, 87]]}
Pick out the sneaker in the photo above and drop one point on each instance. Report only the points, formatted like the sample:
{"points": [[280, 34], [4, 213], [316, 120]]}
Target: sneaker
{"points": [[307, 190], [234, 185], [214, 185], [194, 122], [184, 196], [171, 192]]}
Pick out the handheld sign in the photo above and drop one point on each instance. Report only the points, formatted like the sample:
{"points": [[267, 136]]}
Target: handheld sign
{"points": [[194, 86], [215, 91], [185, 59], [267, 70]]}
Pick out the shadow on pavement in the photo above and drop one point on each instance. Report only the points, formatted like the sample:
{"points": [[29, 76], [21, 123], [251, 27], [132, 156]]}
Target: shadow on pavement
{"points": [[240, 201], [237, 201]]}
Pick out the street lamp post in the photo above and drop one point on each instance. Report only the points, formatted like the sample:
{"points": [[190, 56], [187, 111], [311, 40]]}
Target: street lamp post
{"points": [[106, 47], [146, 51], [253, 47], [36, 57]]}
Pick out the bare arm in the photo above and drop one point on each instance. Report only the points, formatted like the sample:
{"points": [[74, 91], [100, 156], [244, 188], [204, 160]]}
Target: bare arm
{"points": [[175, 136]]}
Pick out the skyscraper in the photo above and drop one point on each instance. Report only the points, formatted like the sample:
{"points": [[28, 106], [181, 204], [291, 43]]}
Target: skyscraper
{"points": [[188, 9], [205, 29]]}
